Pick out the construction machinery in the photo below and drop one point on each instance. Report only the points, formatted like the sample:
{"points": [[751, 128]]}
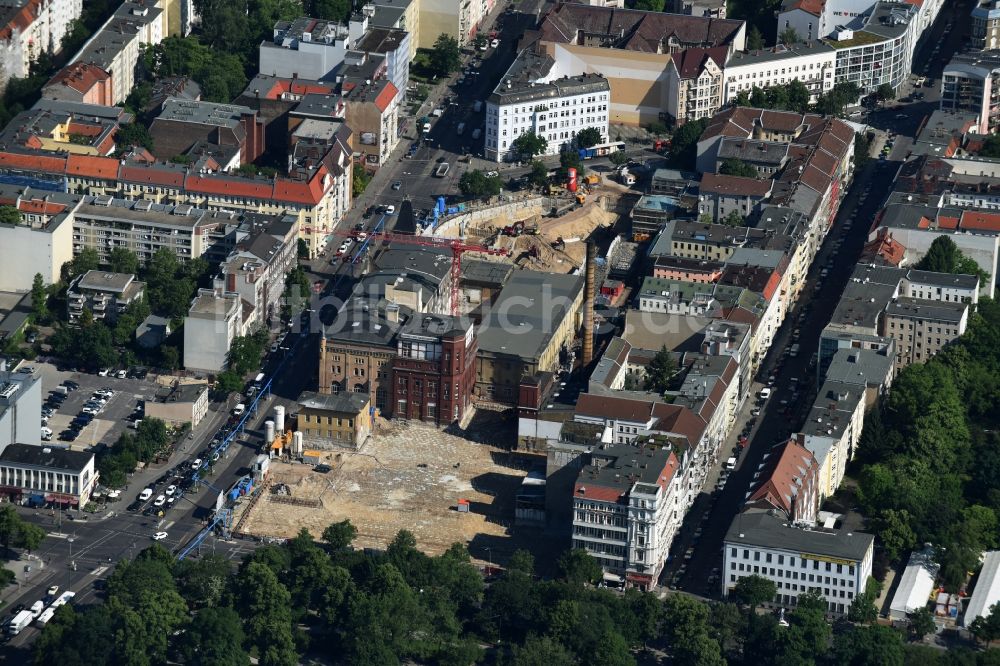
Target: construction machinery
{"points": [[519, 228], [581, 198], [591, 179], [559, 244]]}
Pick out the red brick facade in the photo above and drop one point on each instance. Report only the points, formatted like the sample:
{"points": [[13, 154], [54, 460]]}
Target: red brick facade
{"points": [[436, 390]]}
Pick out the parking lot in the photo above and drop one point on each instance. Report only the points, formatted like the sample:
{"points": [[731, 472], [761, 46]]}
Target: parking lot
{"points": [[109, 423]]}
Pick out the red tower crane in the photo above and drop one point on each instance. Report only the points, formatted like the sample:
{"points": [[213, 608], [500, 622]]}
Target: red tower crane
{"points": [[457, 247]]}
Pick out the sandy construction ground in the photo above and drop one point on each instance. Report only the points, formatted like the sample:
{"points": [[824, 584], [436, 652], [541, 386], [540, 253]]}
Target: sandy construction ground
{"points": [[408, 476]]}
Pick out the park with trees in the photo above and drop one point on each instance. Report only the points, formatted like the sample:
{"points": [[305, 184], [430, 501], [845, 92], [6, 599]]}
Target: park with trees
{"points": [[318, 600]]}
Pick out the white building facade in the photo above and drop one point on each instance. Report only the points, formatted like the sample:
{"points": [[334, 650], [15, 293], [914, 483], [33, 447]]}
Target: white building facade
{"points": [[813, 65], [555, 110], [832, 563]]}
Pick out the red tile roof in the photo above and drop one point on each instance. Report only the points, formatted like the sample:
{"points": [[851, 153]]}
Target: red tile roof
{"points": [[691, 62], [791, 469], [173, 178], [980, 221], [885, 248], [80, 76], [814, 7], [21, 20], [598, 493], [40, 206], [601, 406], [105, 168], [386, 96]]}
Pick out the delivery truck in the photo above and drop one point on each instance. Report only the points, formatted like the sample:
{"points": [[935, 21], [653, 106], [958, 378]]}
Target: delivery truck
{"points": [[20, 622]]}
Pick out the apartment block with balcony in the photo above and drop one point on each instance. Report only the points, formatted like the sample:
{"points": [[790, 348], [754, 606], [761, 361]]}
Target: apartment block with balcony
{"points": [[811, 63], [106, 295], [985, 31], [970, 82], [627, 508], [695, 83]]}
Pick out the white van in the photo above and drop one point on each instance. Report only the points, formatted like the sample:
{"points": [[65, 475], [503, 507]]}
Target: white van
{"points": [[476, 133], [765, 393], [145, 494], [731, 464], [239, 409]]}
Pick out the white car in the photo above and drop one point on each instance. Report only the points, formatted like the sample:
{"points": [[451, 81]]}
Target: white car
{"points": [[46, 434], [196, 463], [160, 500], [159, 536], [105, 372], [170, 490], [495, 43], [114, 494], [390, 210], [90, 410], [122, 374]]}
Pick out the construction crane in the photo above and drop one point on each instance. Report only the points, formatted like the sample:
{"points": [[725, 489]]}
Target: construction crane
{"points": [[456, 246]]}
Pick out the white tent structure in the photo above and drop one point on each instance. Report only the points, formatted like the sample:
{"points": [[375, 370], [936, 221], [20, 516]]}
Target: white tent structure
{"points": [[987, 590], [915, 585]]}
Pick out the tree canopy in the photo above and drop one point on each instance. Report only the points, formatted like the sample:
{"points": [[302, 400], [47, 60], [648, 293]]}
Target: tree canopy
{"points": [[660, 371], [734, 167], [475, 183], [588, 136], [529, 144], [943, 256], [445, 57]]}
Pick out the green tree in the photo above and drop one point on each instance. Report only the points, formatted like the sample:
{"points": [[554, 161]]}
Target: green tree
{"points": [[589, 136], [753, 591], [331, 10], [943, 256], [123, 260], [868, 646], [340, 535], [788, 36], [733, 219], [359, 181], [541, 651], [446, 57], [885, 92], [569, 159], [133, 134], [619, 158], [39, 299], [214, 638], [986, 628], [660, 371], [742, 98], [578, 567], [862, 610], [684, 143], [539, 174], [10, 215], [735, 167], [202, 581], [991, 146], [687, 632], [87, 260], [529, 144], [798, 96], [921, 623], [649, 5], [755, 39], [170, 357], [477, 184], [263, 603]]}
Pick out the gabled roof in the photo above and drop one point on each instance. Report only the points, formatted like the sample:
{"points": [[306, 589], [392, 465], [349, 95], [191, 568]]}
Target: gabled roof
{"points": [[788, 469], [712, 183], [690, 63]]}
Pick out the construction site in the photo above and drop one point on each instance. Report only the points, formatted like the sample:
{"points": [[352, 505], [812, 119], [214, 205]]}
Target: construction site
{"points": [[444, 488], [543, 232]]}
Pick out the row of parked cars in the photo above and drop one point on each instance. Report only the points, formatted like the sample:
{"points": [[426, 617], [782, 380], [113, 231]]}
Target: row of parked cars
{"points": [[94, 405]]}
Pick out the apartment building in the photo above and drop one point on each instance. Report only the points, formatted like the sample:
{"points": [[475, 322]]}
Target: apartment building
{"points": [[985, 33], [372, 111], [813, 63], [341, 420], [922, 329], [456, 18], [528, 99], [265, 251], [101, 223], [30, 28], [634, 50], [305, 48], [687, 270], [402, 15], [415, 366], [316, 188], [879, 50], [832, 430], [970, 82], [117, 46], [81, 82], [105, 295], [788, 483], [213, 321], [721, 196], [695, 84], [42, 475], [42, 243], [833, 563], [627, 508], [20, 408]]}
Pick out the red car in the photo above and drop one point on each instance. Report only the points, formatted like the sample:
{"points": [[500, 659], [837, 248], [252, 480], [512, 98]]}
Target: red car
{"points": [[743, 441]]}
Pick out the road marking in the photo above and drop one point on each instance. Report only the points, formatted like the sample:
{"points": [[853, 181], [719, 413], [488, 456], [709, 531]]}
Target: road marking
{"points": [[58, 535], [98, 571]]}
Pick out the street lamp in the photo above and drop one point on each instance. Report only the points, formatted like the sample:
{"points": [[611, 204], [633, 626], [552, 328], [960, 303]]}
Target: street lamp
{"points": [[69, 569]]}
